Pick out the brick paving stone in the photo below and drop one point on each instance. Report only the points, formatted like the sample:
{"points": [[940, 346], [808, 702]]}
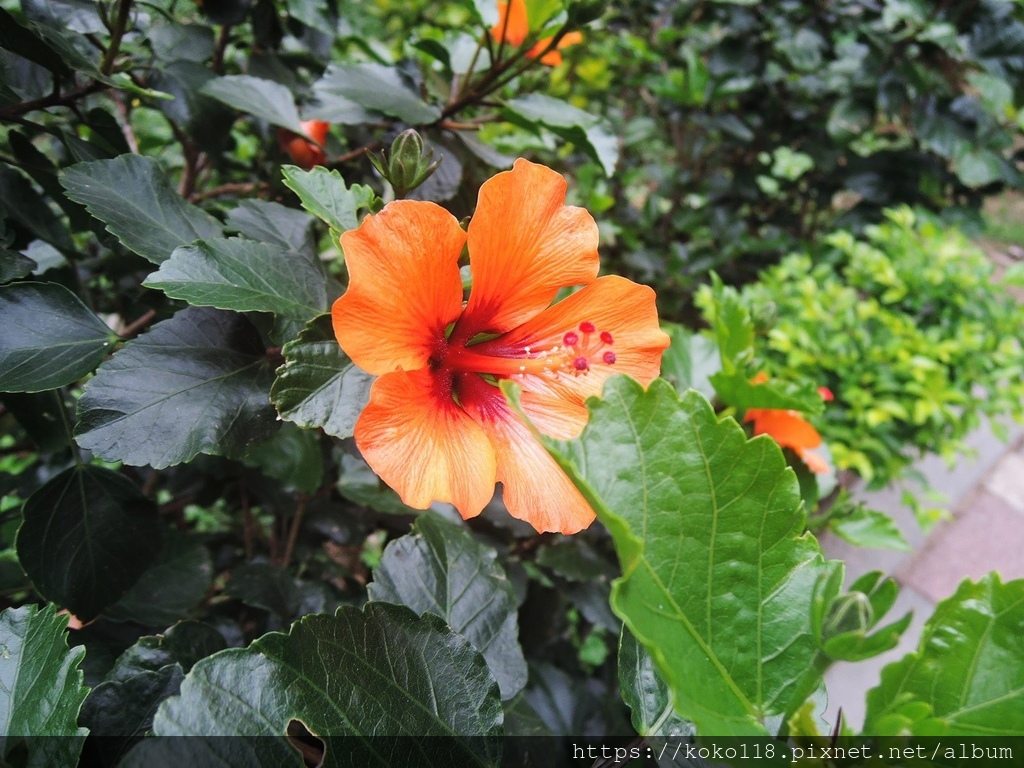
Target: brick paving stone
{"points": [[987, 536], [1007, 480]]}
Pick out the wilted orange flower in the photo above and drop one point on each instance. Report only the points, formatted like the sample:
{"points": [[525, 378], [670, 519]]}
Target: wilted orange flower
{"points": [[303, 152], [513, 28], [437, 427], [789, 429]]}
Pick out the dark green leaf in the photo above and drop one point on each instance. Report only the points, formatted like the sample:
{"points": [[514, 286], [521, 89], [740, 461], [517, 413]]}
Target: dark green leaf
{"points": [[28, 208], [170, 587], [573, 558], [183, 644], [44, 173], [645, 693], [264, 99], [22, 41], [717, 579], [374, 87], [182, 42], [375, 673], [589, 132], [42, 417], [119, 713], [292, 455], [318, 386], [360, 484], [324, 194], [14, 265], [440, 568], [196, 383], [133, 198], [88, 535], [41, 688], [275, 224], [265, 586], [966, 677], [50, 337], [244, 275]]}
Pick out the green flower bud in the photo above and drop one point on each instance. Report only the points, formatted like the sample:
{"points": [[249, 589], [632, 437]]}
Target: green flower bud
{"points": [[408, 164]]}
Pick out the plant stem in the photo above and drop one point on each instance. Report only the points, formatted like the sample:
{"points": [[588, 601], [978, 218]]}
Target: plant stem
{"points": [[120, 25]]}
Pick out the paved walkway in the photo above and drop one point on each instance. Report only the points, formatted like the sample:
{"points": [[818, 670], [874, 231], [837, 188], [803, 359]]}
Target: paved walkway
{"points": [[985, 493]]}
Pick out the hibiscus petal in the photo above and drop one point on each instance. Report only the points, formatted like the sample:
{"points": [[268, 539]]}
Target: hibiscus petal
{"points": [[615, 305], [788, 428], [513, 25], [524, 245], [404, 286], [534, 487], [814, 462], [423, 445]]}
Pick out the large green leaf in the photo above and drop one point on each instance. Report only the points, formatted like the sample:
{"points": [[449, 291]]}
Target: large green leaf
{"points": [[318, 386], [378, 88], [133, 198], [50, 337], [41, 689], [261, 98], [244, 275], [324, 194], [440, 568], [718, 579], [589, 132], [196, 383], [87, 536], [358, 680], [966, 677]]}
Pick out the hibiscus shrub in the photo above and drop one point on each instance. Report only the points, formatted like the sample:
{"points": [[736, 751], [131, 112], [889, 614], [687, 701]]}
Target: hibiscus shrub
{"points": [[280, 304]]}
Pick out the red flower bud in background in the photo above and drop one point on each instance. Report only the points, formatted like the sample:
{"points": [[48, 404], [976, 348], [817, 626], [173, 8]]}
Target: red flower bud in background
{"points": [[303, 152]]}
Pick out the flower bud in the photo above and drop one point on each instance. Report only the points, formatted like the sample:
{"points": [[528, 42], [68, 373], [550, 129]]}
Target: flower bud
{"points": [[408, 164], [303, 152], [850, 613]]}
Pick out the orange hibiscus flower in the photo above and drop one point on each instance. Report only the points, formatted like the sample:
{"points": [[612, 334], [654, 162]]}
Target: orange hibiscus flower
{"points": [[789, 429], [437, 427], [303, 152], [513, 28]]}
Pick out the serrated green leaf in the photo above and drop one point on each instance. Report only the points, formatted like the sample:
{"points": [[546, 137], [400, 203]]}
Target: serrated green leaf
{"points": [[131, 195], [318, 386], [324, 194], [589, 132], [243, 275], [167, 590], [717, 579], [41, 688], [196, 383], [377, 673], [966, 677], [50, 337], [87, 536], [375, 87], [439, 568], [261, 98]]}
